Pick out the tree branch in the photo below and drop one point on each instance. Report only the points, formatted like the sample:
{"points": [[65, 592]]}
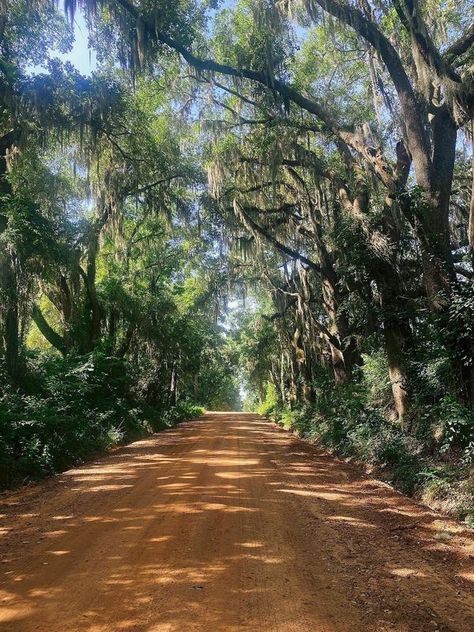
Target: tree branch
{"points": [[252, 226], [460, 46], [417, 139], [289, 94]]}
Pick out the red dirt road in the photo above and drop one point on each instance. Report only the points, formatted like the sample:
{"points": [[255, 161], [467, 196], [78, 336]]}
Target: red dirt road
{"points": [[228, 523]]}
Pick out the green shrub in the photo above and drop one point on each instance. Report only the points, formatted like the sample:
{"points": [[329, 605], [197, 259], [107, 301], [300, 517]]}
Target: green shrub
{"points": [[184, 410], [77, 407], [376, 380], [450, 488], [270, 403], [457, 425], [287, 418], [343, 421]]}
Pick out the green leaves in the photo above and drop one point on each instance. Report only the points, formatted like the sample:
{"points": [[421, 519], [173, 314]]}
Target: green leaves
{"points": [[27, 231]]}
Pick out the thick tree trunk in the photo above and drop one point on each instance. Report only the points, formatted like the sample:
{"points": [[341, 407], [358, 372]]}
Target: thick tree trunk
{"points": [[9, 311], [439, 271], [48, 332], [342, 355], [432, 214], [393, 343], [396, 335], [9, 314], [339, 366]]}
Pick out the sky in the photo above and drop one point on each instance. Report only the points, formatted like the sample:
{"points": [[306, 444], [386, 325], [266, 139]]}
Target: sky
{"points": [[81, 56]]}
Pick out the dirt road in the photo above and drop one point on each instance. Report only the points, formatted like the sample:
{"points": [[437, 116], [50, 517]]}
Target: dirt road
{"points": [[228, 523]]}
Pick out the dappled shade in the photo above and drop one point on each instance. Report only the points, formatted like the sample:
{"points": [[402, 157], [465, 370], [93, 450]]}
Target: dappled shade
{"points": [[228, 523]]}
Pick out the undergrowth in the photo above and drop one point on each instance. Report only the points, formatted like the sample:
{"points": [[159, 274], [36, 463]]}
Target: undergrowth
{"points": [[71, 410], [431, 458]]}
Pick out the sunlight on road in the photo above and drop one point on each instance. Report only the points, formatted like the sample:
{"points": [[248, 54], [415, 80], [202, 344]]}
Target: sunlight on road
{"points": [[225, 523]]}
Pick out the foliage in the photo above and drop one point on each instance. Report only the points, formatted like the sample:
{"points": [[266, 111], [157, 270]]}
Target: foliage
{"points": [[269, 405], [350, 422], [75, 407]]}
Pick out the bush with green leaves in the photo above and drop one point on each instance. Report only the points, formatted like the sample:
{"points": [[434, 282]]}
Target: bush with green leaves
{"points": [[270, 404], [162, 419], [76, 407], [346, 421], [457, 426]]}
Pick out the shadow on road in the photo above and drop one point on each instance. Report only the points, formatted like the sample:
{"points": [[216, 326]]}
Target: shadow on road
{"points": [[227, 523]]}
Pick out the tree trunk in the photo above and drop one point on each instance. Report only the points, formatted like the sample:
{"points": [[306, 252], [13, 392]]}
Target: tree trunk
{"points": [[281, 381], [174, 385], [8, 277], [396, 334], [196, 386], [11, 337], [48, 332], [125, 344], [341, 358], [393, 343]]}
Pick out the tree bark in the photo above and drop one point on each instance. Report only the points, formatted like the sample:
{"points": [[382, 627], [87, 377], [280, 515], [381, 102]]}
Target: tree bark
{"points": [[471, 209], [8, 274], [48, 332], [393, 344]]}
